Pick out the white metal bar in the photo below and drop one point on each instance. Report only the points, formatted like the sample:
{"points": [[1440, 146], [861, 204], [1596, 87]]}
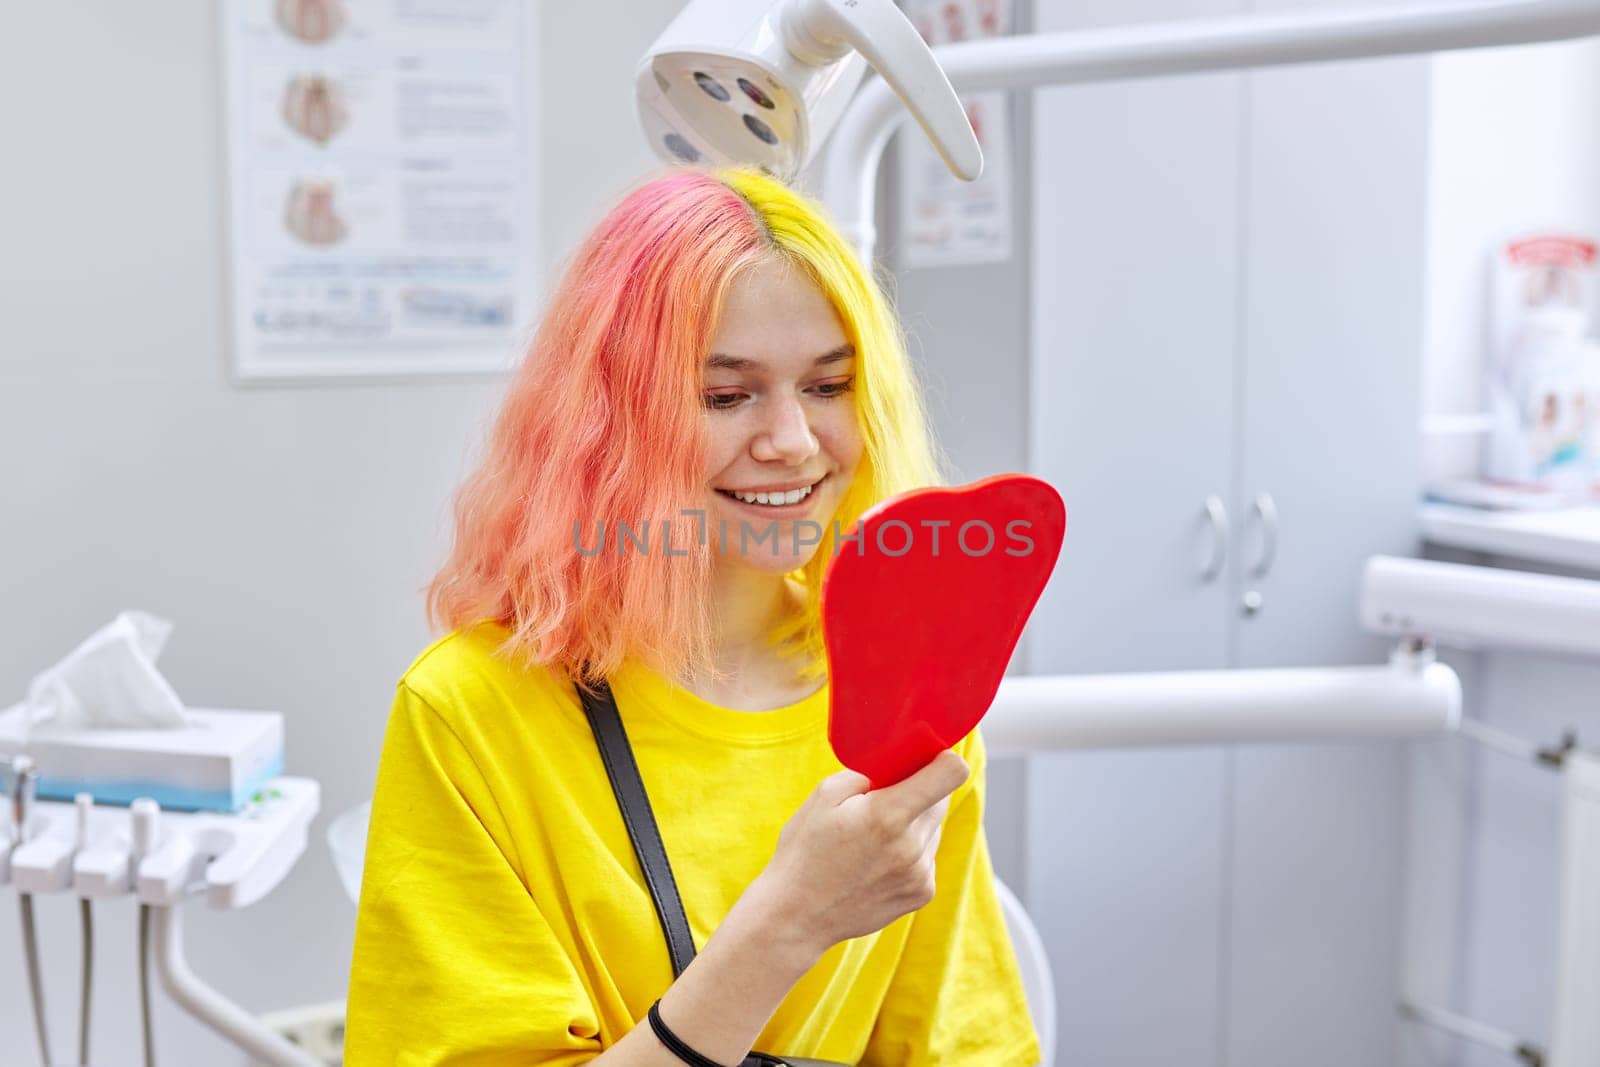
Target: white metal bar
{"points": [[1178, 47], [1459, 604], [1474, 1031], [1499, 740], [210, 1007], [1407, 698]]}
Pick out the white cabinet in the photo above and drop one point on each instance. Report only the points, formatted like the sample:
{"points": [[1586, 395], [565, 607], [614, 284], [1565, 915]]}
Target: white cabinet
{"points": [[1329, 382], [1132, 418], [1227, 297]]}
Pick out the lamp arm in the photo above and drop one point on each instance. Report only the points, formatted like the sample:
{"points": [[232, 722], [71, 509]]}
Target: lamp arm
{"points": [[1191, 46], [822, 31]]}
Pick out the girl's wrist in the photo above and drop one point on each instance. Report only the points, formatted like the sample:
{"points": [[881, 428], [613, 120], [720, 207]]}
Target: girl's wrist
{"points": [[779, 924]]}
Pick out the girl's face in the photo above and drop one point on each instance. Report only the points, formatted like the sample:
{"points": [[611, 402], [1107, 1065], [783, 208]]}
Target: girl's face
{"points": [[780, 419]]}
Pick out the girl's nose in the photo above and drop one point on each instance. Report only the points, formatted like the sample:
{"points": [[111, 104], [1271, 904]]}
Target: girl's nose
{"points": [[787, 436]]}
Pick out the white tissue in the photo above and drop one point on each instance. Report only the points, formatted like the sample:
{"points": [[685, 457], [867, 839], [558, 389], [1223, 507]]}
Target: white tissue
{"points": [[109, 681]]}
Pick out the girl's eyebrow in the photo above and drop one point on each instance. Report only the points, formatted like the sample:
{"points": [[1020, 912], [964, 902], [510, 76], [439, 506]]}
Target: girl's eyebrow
{"points": [[720, 361]]}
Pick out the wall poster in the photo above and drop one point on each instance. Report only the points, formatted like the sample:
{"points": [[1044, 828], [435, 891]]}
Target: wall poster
{"points": [[382, 186], [945, 221]]}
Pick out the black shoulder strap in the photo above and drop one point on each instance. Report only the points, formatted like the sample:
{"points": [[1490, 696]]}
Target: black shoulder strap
{"points": [[601, 707], [606, 722]]}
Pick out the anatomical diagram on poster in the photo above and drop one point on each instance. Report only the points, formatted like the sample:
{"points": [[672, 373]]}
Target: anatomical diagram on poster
{"points": [[382, 198], [945, 221]]}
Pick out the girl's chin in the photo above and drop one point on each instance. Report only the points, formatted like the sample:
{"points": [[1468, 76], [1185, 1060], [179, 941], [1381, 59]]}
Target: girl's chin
{"points": [[762, 561]]}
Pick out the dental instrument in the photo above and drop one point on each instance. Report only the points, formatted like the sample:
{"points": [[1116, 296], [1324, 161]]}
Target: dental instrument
{"points": [[23, 780], [162, 859], [43, 863], [145, 815], [84, 804]]}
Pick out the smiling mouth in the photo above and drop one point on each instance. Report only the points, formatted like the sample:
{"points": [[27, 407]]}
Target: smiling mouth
{"points": [[786, 499]]}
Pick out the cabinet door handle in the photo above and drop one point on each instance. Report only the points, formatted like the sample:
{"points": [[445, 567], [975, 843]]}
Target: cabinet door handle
{"points": [[1217, 514], [1266, 509]]}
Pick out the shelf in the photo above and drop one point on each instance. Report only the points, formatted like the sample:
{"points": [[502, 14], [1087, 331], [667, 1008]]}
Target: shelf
{"points": [[1568, 537]]}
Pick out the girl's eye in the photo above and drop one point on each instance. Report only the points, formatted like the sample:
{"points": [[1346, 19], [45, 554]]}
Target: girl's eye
{"points": [[825, 390]]}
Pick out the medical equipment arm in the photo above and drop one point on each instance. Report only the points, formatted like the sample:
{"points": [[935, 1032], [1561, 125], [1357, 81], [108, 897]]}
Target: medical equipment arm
{"points": [[1178, 47]]}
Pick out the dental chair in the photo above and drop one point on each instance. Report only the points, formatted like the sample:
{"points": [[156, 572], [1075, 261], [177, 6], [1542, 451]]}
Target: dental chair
{"points": [[347, 839]]}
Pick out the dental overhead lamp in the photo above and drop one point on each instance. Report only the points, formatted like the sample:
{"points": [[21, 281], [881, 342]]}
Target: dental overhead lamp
{"points": [[763, 83]]}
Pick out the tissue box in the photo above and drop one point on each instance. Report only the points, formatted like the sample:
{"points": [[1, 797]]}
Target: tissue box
{"points": [[216, 763]]}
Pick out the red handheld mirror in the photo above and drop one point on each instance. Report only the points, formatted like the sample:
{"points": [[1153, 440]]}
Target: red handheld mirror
{"points": [[921, 614]]}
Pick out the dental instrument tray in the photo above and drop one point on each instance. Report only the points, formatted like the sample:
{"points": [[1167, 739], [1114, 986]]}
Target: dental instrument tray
{"points": [[161, 859], [232, 860], [217, 762]]}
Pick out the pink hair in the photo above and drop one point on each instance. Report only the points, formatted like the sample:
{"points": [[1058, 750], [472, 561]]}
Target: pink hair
{"points": [[603, 422]]}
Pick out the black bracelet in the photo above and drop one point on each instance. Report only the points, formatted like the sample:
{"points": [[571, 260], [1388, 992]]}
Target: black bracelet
{"points": [[674, 1043]]}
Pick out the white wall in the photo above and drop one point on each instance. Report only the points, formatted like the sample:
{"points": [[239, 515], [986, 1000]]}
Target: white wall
{"points": [[1515, 147], [286, 530]]}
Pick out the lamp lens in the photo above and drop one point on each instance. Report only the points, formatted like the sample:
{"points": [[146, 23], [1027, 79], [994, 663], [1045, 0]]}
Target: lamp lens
{"points": [[753, 91], [712, 87], [681, 148], [760, 129]]}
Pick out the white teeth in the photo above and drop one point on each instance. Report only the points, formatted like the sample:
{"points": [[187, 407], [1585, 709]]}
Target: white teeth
{"points": [[793, 496]]}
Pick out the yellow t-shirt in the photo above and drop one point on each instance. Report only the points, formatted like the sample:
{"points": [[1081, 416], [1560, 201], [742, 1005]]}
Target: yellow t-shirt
{"points": [[504, 919]]}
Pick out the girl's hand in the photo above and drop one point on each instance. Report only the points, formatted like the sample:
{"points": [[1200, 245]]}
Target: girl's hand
{"points": [[850, 862]]}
